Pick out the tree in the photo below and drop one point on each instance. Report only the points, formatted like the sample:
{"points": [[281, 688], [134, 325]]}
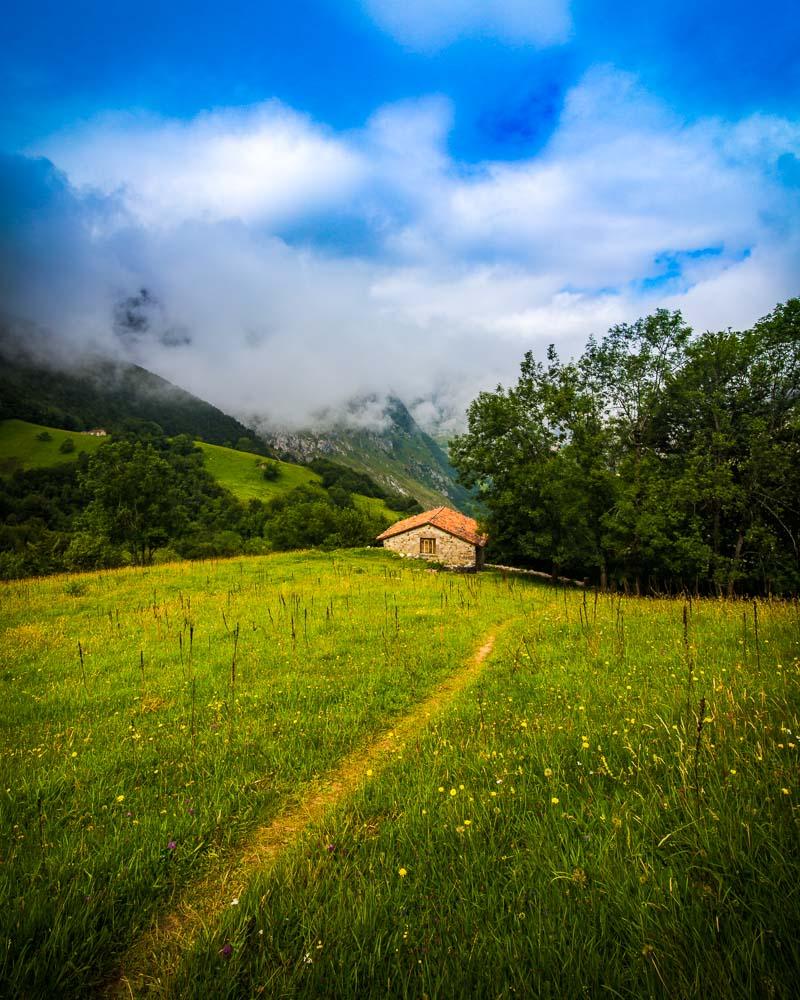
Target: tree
{"points": [[536, 454], [135, 497], [656, 459], [270, 469]]}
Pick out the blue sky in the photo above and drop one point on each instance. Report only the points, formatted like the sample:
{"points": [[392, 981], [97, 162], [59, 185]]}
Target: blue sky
{"points": [[319, 192]]}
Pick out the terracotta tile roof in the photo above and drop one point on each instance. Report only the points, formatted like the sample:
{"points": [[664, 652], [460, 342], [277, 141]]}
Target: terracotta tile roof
{"points": [[440, 517]]}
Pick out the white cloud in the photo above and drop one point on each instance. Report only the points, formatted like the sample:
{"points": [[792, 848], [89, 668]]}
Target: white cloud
{"points": [[467, 267], [429, 25], [620, 184], [263, 164]]}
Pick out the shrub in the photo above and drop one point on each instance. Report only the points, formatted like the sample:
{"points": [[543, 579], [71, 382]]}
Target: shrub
{"points": [[165, 555]]}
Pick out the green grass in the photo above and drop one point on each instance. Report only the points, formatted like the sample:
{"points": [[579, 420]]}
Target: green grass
{"points": [[126, 727], [21, 449], [565, 829], [377, 508], [238, 472]]}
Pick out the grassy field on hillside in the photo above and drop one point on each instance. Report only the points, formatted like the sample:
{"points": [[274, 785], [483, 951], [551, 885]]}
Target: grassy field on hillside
{"points": [[378, 508], [610, 807], [20, 447], [238, 472]]}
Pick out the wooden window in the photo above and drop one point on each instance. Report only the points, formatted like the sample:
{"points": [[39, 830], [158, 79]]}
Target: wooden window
{"points": [[427, 546]]}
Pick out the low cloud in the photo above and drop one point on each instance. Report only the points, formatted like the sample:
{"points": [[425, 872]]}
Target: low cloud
{"points": [[281, 270]]}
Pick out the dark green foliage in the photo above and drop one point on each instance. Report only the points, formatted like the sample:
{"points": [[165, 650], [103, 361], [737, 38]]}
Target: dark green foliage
{"points": [[143, 497], [250, 444], [44, 436], [656, 460], [67, 446], [101, 393], [309, 517], [270, 470], [335, 475]]}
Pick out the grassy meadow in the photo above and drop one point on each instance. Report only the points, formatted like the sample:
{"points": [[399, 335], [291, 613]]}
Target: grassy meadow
{"points": [[238, 472], [611, 807], [20, 447]]}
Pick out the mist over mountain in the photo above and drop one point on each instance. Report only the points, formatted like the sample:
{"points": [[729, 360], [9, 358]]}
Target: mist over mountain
{"points": [[41, 384], [379, 436], [376, 435]]}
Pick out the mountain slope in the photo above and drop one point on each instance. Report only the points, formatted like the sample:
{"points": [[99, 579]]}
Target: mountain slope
{"points": [[398, 455], [104, 393], [100, 392], [34, 446]]}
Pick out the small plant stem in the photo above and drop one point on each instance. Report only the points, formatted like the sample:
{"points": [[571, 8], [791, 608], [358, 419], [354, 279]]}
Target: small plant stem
{"points": [[83, 669], [755, 630], [687, 650], [40, 809], [700, 721]]}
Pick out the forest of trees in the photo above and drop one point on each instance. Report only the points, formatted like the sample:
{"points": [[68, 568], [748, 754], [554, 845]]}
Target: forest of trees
{"points": [[145, 497], [657, 461]]}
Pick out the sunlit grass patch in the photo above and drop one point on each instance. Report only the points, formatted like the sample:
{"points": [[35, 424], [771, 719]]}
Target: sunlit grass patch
{"points": [[576, 823], [155, 716]]}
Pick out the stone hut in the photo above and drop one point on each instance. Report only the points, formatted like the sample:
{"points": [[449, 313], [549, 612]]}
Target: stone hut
{"points": [[440, 535]]}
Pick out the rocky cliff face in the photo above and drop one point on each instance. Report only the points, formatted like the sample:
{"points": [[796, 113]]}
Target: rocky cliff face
{"points": [[393, 450]]}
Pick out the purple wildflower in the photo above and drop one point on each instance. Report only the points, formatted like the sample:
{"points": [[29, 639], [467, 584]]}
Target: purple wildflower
{"points": [[226, 950], [171, 845]]}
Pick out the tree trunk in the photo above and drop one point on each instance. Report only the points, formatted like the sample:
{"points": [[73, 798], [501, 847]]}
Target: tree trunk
{"points": [[736, 554]]}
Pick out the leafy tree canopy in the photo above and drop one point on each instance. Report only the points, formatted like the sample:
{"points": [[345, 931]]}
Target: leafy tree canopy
{"points": [[657, 459]]}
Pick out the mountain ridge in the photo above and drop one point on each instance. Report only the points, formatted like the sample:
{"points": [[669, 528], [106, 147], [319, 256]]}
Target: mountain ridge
{"points": [[395, 452], [103, 392]]}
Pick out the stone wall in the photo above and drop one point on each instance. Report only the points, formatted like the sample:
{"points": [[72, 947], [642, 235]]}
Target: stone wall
{"points": [[450, 551]]}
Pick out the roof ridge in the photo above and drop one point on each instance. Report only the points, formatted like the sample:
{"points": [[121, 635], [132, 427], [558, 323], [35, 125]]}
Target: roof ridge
{"points": [[441, 517]]}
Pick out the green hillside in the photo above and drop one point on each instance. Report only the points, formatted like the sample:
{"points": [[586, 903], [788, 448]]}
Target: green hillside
{"points": [[378, 508], [400, 457], [99, 392], [21, 446], [239, 472]]}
